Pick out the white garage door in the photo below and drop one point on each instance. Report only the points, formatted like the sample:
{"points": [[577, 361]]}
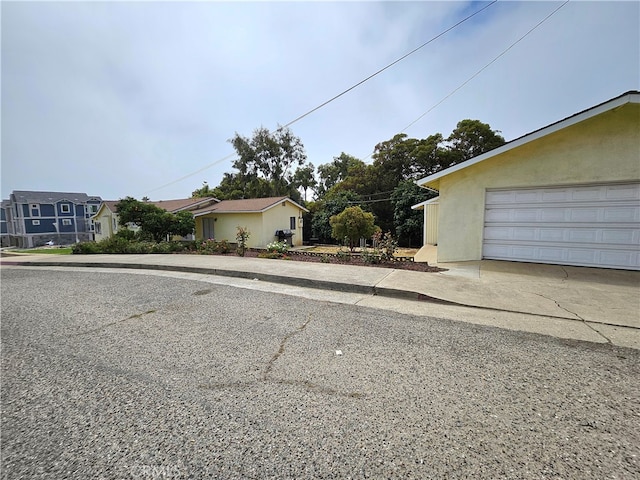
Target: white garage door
{"points": [[588, 225]]}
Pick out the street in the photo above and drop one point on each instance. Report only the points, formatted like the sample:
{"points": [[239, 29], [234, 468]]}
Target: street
{"points": [[122, 375]]}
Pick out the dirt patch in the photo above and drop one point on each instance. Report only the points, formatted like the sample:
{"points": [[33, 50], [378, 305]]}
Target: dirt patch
{"points": [[355, 261]]}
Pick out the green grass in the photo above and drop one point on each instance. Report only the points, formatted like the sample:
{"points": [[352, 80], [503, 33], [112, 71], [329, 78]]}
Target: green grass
{"points": [[50, 251]]}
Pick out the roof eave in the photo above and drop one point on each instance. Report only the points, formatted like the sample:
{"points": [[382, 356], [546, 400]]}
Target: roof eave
{"points": [[629, 97]]}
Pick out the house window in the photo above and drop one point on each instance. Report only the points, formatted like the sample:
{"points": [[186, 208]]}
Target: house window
{"points": [[36, 222], [98, 227], [93, 208], [35, 210], [66, 221], [65, 208], [292, 223]]}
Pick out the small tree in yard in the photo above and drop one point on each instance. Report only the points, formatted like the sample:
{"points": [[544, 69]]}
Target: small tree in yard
{"points": [[352, 224], [154, 222], [242, 235]]}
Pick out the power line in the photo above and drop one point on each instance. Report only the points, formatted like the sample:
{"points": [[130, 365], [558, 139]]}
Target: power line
{"points": [[388, 66], [479, 71], [487, 65], [336, 96]]}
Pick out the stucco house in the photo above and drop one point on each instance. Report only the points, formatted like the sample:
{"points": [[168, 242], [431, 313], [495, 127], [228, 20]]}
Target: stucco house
{"points": [[106, 224], [263, 217], [568, 193]]}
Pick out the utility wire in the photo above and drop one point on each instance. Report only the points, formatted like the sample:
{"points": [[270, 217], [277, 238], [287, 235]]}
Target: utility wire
{"points": [[486, 66], [479, 71], [337, 96], [388, 66]]}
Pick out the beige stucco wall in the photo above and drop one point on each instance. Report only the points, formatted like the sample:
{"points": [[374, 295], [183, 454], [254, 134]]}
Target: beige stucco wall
{"points": [[105, 217], [602, 149], [261, 226]]}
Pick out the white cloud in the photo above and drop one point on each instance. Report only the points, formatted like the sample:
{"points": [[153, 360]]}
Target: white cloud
{"points": [[120, 98]]}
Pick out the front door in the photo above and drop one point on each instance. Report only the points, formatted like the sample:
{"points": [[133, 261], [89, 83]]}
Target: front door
{"points": [[207, 228]]}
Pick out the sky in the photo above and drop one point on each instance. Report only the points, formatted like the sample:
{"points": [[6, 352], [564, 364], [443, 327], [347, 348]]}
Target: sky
{"points": [[129, 98]]}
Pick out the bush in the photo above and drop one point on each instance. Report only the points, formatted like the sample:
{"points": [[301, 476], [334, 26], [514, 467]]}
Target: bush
{"points": [[242, 235], [371, 257], [211, 247], [272, 255], [278, 247], [85, 248]]}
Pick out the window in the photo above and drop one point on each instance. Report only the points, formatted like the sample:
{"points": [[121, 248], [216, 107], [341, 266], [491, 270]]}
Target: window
{"points": [[292, 223], [93, 208], [98, 227], [36, 222], [65, 208], [66, 221]]}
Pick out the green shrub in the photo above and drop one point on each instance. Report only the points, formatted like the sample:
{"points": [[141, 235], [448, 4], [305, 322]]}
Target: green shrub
{"points": [[272, 255], [278, 247], [343, 256], [211, 247], [85, 248], [371, 257]]}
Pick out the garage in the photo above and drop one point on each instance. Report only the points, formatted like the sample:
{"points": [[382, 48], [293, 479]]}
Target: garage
{"points": [[595, 225]]}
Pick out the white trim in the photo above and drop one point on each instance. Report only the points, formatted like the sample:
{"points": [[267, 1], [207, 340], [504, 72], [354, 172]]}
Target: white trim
{"points": [[421, 205], [631, 97]]}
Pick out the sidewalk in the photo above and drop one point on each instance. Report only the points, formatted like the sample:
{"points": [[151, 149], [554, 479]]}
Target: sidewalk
{"points": [[570, 302]]}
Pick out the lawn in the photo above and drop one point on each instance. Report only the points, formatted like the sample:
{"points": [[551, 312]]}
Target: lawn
{"points": [[50, 251]]}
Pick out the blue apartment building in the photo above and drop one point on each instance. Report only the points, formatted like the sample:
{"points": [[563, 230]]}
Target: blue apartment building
{"points": [[32, 219]]}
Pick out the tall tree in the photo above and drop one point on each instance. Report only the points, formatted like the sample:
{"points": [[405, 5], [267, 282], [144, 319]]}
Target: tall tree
{"points": [[332, 204], [408, 223], [270, 156], [204, 191], [330, 174], [304, 178], [472, 138]]}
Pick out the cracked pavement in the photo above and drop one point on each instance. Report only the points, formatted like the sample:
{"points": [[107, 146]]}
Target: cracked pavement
{"points": [[123, 375]]}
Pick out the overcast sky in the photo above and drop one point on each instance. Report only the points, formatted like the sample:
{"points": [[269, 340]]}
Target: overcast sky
{"points": [[122, 98]]}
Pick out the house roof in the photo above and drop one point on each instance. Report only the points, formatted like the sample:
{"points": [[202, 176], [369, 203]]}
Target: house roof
{"points": [[184, 203], [247, 205], [632, 96], [27, 196]]}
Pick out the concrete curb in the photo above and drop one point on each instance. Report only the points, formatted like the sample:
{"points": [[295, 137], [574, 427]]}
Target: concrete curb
{"points": [[386, 292]]}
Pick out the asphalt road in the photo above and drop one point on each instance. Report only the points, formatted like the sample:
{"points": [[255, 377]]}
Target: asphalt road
{"points": [[117, 375]]}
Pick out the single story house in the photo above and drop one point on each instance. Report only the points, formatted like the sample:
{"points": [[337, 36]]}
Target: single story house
{"points": [[105, 221], [263, 217], [568, 193]]}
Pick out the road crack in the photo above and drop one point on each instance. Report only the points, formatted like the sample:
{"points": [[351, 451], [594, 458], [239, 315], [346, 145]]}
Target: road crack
{"points": [[584, 322], [111, 324], [280, 351]]}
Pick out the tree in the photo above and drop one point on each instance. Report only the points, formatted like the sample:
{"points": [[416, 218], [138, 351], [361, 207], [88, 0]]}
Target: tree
{"points": [[408, 223], [472, 138], [330, 174], [154, 222], [304, 178], [204, 191], [268, 159], [352, 224], [332, 204]]}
